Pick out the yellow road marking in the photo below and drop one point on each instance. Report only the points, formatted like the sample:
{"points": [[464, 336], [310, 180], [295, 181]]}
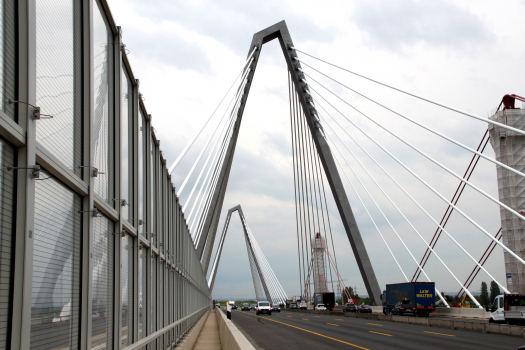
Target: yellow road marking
{"points": [[305, 319], [321, 335], [331, 324], [388, 335], [338, 319], [316, 316], [373, 324], [288, 316], [448, 335]]}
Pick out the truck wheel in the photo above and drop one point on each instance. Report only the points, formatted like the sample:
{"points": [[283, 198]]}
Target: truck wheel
{"points": [[491, 320], [269, 313]]}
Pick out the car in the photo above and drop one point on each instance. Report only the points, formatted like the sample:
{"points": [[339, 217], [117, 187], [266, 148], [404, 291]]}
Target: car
{"points": [[293, 306], [245, 306], [320, 307], [302, 305], [364, 309], [253, 306], [263, 307], [403, 308], [350, 307], [276, 308]]}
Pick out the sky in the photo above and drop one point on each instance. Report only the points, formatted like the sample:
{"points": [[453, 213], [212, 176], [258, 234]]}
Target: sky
{"points": [[463, 54]]}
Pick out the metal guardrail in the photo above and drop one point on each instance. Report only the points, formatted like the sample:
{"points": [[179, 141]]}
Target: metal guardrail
{"points": [[154, 336]]}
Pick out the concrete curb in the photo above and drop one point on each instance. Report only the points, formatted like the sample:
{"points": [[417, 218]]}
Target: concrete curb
{"points": [[231, 336], [493, 328], [188, 341]]}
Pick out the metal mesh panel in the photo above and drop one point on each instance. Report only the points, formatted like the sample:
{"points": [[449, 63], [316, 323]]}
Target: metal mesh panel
{"points": [[56, 267], [6, 235], [103, 120], [126, 139], [153, 191], [58, 83], [142, 292], [103, 286], [141, 171], [8, 56], [153, 315], [126, 311]]}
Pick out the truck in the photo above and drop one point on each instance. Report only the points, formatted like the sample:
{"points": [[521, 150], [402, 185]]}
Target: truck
{"points": [[508, 308], [233, 305], [326, 298], [420, 294]]}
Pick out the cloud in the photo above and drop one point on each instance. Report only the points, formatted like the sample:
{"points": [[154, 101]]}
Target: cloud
{"points": [[167, 48], [234, 21], [394, 24]]}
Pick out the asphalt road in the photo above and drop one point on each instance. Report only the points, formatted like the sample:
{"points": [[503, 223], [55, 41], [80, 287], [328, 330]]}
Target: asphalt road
{"points": [[290, 330]]}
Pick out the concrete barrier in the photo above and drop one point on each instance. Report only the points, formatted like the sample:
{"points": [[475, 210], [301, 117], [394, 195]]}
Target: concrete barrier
{"points": [[190, 338], [231, 336], [462, 312]]}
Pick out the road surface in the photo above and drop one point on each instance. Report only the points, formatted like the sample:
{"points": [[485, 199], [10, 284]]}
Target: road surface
{"points": [[291, 330]]}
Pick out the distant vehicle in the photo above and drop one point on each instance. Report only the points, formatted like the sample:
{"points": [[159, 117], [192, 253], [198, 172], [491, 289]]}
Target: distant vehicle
{"points": [[364, 309], [326, 298], [320, 307], [263, 307], [245, 306], [293, 306], [421, 294], [403, 308], [350, 307], [508, 308], [253, 306], [276, 308], [302, 305]]}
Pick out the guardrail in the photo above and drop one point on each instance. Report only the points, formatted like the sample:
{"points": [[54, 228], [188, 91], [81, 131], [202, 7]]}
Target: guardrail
{"points": [[153, 336]]}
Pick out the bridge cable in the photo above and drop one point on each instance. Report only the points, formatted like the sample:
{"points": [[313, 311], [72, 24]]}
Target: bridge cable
{"points": [[210, 185], [419, 178], [445, 168], [457, 143], [295, 181], [416, 96], [216, 172], [300, 185], [386, 195], [196, 162], [208, 180], [455, 199], [188, 146], [212, 150]]}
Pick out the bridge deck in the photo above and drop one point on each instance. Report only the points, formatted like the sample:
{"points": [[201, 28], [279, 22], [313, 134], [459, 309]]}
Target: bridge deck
{"points": [[209, 338]]}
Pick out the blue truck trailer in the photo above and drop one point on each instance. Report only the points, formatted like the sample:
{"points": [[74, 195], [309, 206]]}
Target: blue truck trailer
{"points": [[420, 294]]}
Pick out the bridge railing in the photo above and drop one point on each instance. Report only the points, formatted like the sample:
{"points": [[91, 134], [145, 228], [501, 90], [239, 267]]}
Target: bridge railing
{"points": [[95, 251]]}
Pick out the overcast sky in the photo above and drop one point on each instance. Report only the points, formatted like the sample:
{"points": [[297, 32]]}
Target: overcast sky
{"points": [[463, 53]]}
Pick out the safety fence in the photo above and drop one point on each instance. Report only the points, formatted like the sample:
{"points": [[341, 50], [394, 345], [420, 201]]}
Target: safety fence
{"points": [[95, 252]]}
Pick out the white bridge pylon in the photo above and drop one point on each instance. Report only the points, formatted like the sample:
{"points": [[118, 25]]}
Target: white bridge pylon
{"points": [[266, 284]]}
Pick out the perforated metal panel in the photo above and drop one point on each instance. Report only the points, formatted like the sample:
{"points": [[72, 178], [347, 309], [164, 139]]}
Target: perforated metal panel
{"points": [[126, 148], [8, 56], [58, 81], [103, 121], [142, 171], [126, 273], [153, 191], [153, 314], [143, 268], [55, 309], [7, 186], [103, 283]]}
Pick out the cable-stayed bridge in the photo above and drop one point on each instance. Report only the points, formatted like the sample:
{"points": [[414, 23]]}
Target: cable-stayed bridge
{"points": [[99, 252]]}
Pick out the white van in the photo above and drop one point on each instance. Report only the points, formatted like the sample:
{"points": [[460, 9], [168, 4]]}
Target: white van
{"points": [[508, 308]]}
